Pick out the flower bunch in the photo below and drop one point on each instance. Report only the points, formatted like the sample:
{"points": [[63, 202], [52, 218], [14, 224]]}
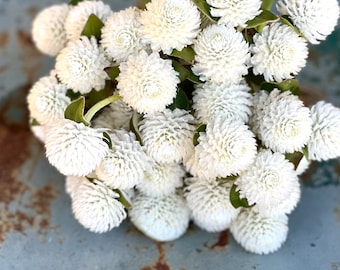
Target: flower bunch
{"points": [[185, 110]]}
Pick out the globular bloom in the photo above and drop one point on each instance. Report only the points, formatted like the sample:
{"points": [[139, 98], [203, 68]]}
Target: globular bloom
{"points": [[80, 65], [97, 207], [79, 14], [169, 24], [213, 99], [73, 148], [72, 184], [324, 143], [48, 31], [316, 19], [124, 165], [163, 219], [270, 183], [221, 55], [120, 34], [258, 234], [278, 52], [47, 100], [284, 123], [147, 83], [226, 148], [235, 13], [167, 135], [209, 203]]}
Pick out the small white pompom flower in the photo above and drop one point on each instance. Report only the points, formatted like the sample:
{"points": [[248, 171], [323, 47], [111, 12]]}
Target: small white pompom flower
{"points": [[147, 83], [278, 52], [316, 19], [232, 101], [48, 32], [324, 143], [259, 102], [167, 135], [222, 55], [73, 148], [169, 24], [235, 13], [209, 203], [124, 166], [258, 234], [303, 165], [285, 124], [72, 184], [162, 179], [270, 183], [96, 207], [164, 219], [47, 100], [80, 65], [228, 147], [38, 132], [192, 165], [79, 14], [120, 37]]}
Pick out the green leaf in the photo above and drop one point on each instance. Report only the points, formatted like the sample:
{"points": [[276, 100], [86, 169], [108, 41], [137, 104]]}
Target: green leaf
{"points": [[74, 2], [184, 73], [34, 122], [135, 119], [267, 4], [142, 3], [205, 9], [181, 101], [96, 96], [187, 54], [122, 199], [227, 179], [75, 111], [294, 158], [72, 95], [235, 199], [200, 128], [305, 152], [93, 27], [285, 20], [264, 18], [291, 85], [113, 72], [100, 105], [107, 139]]}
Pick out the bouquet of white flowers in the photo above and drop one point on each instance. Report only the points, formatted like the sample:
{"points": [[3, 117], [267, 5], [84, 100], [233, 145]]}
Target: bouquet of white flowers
{"points": [[185, 110]]}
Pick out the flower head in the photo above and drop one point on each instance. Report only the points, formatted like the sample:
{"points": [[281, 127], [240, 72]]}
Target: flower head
{"points": [[278, 52], [169, 24], [147, 83], [222, 55], [72, 184], [316, 19], [163, 219]]}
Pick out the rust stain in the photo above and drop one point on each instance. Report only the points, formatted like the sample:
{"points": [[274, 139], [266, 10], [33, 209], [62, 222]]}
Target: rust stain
{"points": [[161, 263], [337, 167], [221, 243], [311, 95], [337, 213], [4, 37], [3, 68]]}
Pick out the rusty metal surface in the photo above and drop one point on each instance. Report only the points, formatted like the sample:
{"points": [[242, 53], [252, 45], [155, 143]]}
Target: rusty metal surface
{"points": [[37, 228]]}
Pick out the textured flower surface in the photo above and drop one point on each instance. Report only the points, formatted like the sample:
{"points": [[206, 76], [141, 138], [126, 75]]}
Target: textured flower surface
{"points": [[170, 24], [235, 13], [284, 124], [147, 83], [278, 52], [316, 19], [80, 65], [222, 55], [208, 201], [163, 219], [324, 143], [270, 183], [72, 184], [73, 148], [47, 100], [212, 99], [258, 234], [168, 135], [96, 207], [48, 31]]}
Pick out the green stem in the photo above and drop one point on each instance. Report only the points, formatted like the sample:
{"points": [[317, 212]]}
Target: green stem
{"points": [[267, 4], [100, 105], [122, 199]]}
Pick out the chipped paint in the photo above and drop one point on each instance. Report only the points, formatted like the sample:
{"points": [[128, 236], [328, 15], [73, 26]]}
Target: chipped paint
{"points": [[221, 243], [161, 262]]}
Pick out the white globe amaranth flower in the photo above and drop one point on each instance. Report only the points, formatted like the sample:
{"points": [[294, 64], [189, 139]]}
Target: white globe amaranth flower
{"points": [[120, 34], [235, 13], [270, 183], [47, 100], [278, 52], [316, 19], [209, 203], [167, 135], [163, 219], [285, 124], [324, 143], [259, 102], [221, 55], [227, 147], [169, 24], [72, 184], [96, 207], [258, 234], [38, 132], [212, 99], [80, 65], [162, 179], [147, 83], [192, 165], [124, 165], [48, 31], [303, 165], [73, 148], [79, 14]]}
